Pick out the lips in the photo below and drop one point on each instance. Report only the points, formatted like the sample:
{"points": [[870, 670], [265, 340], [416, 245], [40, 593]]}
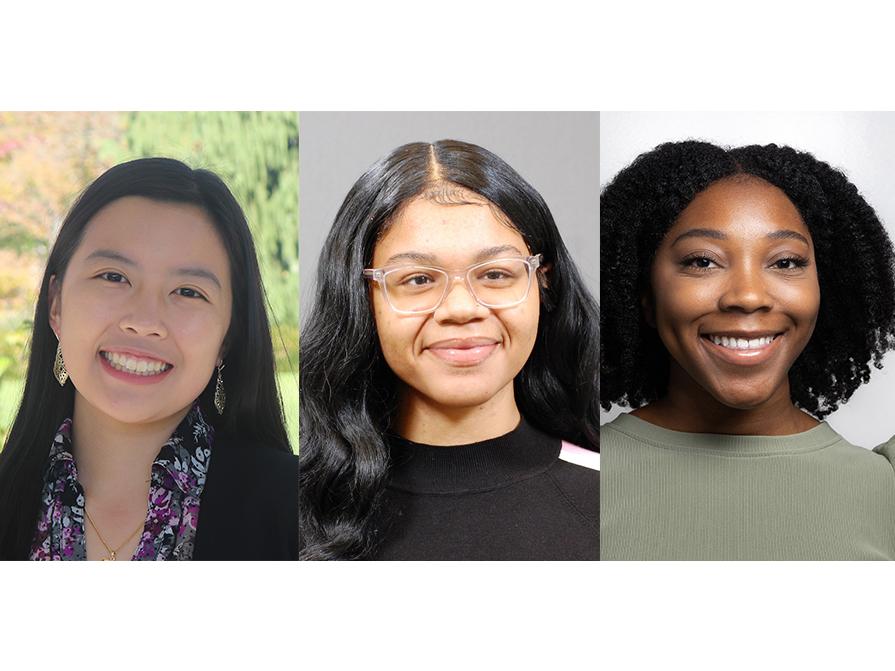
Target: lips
{"points": [[463, 351], [134, 366], [744, 348], [741, 343]]}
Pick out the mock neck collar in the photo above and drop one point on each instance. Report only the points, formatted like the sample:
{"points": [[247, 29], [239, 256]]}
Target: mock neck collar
{"points": [[488, 464]]}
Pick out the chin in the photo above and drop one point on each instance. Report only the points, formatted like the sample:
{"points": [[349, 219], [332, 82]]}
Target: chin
{"points": [[743, 400], [132, 411], [137, 415], [462, 400], [454, 394]]}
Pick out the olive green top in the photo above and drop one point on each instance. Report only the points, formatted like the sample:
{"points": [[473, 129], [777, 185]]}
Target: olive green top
{"points": [[811, 495]]}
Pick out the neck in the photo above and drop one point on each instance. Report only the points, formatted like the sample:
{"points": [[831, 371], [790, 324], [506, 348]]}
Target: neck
{"points": [[421, 420], [115, 458], [689, 407]]}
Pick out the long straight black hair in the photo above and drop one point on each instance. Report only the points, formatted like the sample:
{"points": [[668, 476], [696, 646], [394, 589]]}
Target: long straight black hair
{"points": [[253, 413], [348, 393]]}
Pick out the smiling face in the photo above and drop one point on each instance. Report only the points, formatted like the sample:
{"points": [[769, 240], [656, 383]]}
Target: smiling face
{"points": [[463, 354], [143, 309], [735, 294]]}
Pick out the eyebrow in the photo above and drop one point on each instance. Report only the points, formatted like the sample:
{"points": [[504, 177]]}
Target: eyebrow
{"points": [[201, 273], [718, 235], [411, 256], [788, 235], [112, 256], [491, 252], [190, 271], [481, 255]]}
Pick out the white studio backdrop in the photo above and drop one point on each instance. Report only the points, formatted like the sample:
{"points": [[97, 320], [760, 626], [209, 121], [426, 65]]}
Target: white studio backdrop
{"points": [[860, 144]]}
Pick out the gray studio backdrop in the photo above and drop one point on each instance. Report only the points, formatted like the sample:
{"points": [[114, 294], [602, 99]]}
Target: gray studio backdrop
{"points": [[860, 144], [557, 153]]}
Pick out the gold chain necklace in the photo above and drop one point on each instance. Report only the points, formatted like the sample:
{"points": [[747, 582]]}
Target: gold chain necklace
{"points": [[113, 554]]}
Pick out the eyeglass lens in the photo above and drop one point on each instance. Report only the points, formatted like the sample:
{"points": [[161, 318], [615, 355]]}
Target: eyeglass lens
{"points": [[501, 283]]}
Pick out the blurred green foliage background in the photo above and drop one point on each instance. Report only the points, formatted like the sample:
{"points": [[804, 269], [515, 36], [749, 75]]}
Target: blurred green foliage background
{"points": [[48, 158]]}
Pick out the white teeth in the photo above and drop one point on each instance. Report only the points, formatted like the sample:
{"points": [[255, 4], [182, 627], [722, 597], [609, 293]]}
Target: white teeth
{"points": [[742, 343], [129, 364]]}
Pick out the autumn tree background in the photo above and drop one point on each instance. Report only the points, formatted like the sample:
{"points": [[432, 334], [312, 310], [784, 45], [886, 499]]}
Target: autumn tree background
{"points": [[48, 158]]}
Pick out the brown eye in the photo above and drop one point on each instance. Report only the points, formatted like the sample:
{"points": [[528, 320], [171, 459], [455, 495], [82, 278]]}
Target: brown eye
{"points": [[791, 263], [117, 278], [699, 263], [186, 292], [418, 280]]}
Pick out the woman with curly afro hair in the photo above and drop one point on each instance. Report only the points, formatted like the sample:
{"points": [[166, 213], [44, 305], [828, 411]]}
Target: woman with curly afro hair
{"points": [[746, 293]]}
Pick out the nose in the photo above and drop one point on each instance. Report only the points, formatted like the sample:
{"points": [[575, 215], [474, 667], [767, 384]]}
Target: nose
{"points": [[459, 306], [746, 290], [144, 317]]}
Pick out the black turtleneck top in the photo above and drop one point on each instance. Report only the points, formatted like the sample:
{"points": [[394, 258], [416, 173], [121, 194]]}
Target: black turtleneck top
{"points": [[508, 498]]}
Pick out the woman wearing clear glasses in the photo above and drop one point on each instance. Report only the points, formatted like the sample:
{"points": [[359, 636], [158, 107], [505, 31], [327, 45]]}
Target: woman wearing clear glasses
{"points": [[448, 371]]}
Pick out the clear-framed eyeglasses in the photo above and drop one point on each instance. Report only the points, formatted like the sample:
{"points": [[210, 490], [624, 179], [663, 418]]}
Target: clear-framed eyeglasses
{"points": [[416, 290]]}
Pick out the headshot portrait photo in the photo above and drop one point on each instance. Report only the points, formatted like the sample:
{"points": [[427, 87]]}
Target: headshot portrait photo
{"points": [[859, 144], [449, 339]]}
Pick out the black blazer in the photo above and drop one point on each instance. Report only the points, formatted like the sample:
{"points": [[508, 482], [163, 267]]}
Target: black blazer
{"points": [[249, 507]]}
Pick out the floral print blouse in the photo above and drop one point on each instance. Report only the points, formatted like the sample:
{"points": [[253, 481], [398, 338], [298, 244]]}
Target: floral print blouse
{"points": [[176, 484]]}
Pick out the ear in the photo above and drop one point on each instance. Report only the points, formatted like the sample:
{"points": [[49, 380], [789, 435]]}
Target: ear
{"points": [[648, 308], [544, 275], [372, 288], [222, 353], [54, 297]]}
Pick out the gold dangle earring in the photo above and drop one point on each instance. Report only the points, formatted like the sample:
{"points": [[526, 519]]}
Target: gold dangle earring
{"points": [[59, 370], [220, 398]]}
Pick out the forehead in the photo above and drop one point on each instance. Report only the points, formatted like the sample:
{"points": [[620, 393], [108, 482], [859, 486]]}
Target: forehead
{"points": [[744, 206], [159, 233], [450, 233]]}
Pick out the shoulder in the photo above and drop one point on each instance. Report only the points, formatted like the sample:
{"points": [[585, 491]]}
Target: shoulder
{"points": [[575, 454], [253, 466], [878, 460], [623, 428], [887, 452], [577, 475], [249, 507], [252, 453]]}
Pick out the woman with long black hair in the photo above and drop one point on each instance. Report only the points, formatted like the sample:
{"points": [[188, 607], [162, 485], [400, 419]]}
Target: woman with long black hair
{"points": [[150, 425], [448, 371]]}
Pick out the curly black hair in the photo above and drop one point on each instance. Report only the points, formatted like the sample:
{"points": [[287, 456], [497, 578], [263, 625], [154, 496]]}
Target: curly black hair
{"points": [[856, 323]]}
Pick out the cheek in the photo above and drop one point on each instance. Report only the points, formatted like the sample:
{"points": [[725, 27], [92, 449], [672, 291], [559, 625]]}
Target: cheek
{"points": [[677, 304], [396, 335], [201, 332], [523, 328], [200, 327], [803, 298], [83, 312], [803, 304]]}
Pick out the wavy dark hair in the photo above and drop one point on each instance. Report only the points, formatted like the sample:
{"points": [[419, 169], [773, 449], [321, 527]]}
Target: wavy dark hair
{"points": [[856, 323], [348, 393], [254, 412]]}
